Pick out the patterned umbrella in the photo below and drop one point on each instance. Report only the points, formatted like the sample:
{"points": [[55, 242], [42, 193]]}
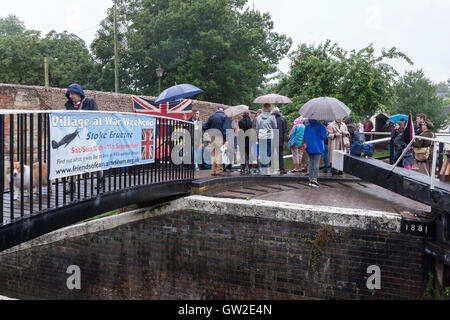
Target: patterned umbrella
{"points": [[325, 108], [272, 99]]}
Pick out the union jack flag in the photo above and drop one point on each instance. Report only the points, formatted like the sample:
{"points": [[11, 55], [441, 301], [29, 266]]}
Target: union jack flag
{"points": [[180, 109], [147, 144]]}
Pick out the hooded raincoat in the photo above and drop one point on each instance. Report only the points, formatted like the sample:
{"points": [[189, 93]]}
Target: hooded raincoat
{"points": [[86, 103]]}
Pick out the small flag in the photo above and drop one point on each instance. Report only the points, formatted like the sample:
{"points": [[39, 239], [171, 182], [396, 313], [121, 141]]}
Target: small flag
{"points": [[147, 144], [410, 132]]}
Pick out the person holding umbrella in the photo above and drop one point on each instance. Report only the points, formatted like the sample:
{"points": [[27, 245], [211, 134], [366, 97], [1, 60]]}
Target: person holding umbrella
{"points": [[265, 124], [269, 123], [314, 137], [326, 108]]}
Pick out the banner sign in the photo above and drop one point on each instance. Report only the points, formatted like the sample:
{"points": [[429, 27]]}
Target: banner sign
{"points": [[90, 142]]}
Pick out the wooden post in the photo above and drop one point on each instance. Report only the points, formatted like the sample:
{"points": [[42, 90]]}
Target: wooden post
{"points": [[116, 67], [46, 72]]}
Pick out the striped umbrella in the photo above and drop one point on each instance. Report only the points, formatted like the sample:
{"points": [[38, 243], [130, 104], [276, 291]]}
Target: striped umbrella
{"points": [[325, 108]]}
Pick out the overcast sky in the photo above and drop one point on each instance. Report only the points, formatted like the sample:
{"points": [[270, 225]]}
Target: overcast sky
{"points": [[417, 27]]}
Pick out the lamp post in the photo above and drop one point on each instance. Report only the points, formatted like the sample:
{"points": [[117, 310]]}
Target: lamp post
{"points": [[159, 73]]}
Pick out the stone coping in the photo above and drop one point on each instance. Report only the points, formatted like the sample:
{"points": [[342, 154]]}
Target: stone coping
{"points": [[211, 181], [286, 212]]}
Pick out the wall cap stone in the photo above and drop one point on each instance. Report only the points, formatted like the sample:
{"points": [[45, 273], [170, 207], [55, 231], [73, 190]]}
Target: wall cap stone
{"points": [[287, 212]]}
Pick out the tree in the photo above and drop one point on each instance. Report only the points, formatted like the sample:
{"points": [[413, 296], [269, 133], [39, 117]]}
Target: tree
{"points": [[22, 55], [10, 26], [416, 94], [360, 79], [219, 46], [369, 82], [443, 89], [69, 60], [315, 72]]}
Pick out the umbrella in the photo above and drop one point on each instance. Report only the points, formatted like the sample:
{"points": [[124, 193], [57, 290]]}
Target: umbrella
{"points": [[273, 98], [397, 118], [325, 108], [178, 92], [236, 111]]}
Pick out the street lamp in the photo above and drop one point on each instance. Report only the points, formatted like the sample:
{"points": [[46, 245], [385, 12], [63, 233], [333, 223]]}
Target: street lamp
{"points": [[159, 73]]}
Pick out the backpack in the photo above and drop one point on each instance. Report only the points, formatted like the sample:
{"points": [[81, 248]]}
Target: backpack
{"points": [[369, 150], [357, 149]]}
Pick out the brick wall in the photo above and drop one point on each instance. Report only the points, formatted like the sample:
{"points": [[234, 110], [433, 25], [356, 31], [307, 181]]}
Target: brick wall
{"points": [[191, 255], [44, 98]]}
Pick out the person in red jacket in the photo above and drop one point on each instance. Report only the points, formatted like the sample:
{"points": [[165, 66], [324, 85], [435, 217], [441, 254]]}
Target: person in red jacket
{"points": [[368, 127]]}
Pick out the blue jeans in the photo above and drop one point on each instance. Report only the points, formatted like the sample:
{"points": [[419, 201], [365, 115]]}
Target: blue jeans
{"points": [[265, 156], [325, 158]]}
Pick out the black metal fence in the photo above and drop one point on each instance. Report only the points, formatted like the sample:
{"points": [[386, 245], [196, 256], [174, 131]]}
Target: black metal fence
{"points": [[25, 144]]}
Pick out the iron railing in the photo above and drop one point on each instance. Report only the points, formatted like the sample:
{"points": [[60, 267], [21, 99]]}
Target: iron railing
{"points": [[25, 141], [439, 151]]}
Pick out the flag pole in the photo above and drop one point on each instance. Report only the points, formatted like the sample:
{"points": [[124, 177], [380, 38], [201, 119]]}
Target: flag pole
{"points": [[403, 154]]}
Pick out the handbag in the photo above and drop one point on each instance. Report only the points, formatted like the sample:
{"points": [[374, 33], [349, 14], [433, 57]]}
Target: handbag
{"points": [[347, 142], [423, 154]]}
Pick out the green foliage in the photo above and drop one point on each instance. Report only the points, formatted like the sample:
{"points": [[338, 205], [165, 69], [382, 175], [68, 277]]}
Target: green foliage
{"points": [[417, 94], [69, 60], [219, 46], [11, 26], [22, 55], [21, 59], [360, 79], [434, 291], [443, 89]]}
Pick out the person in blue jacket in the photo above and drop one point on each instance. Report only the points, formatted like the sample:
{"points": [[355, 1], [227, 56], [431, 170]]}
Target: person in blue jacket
{"points": [[221, 122], [313, 138], [76, 99]]}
